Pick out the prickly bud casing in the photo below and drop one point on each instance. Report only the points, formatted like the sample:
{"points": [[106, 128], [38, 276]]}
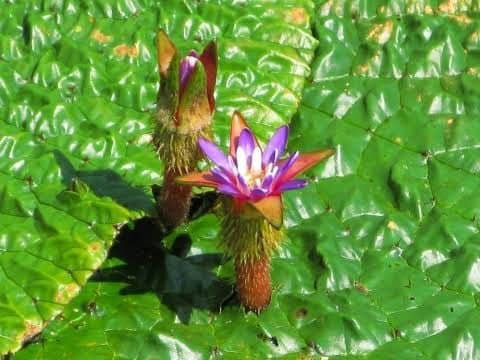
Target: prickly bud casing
{"points": [[185, 106], [179, 128], [245, 233], [251, 240]]}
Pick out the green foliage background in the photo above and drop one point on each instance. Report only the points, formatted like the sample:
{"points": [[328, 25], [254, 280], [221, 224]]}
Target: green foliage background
{"points": [[381, 257]]}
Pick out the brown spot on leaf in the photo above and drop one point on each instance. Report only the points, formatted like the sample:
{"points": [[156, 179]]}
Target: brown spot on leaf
{"points": [[32, 328], [126, 50], [102, 38], [361, 287], [95, 246], [296, 16]]}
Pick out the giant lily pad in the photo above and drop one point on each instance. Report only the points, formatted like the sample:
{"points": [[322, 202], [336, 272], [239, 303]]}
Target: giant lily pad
{"points": [[78, 83], [381, 252]]}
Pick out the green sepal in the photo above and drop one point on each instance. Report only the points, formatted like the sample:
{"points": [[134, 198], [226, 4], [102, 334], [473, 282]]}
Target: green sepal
{"points": [[193, 112], [169, 92]]}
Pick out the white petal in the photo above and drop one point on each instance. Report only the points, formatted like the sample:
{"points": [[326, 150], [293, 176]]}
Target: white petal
{"points": [[273, 171], [233, 167], [268, 170], [191, 60], [241, 161], [256, 161]]}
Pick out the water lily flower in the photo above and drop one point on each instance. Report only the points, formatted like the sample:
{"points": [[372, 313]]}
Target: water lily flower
{"points": [[252, 181], [185, 107], [252, 175]]}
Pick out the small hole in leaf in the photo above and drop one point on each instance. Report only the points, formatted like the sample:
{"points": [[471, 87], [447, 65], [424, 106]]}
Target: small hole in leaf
{"points": [[412, 298], [262, 337], [301, 313], [91, 307], [274, 340], [265, 338], [216, 352], [451, 309]]}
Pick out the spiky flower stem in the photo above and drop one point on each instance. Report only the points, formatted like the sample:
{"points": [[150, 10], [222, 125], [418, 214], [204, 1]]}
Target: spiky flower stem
{"points": [[253, 283], [250, 240], [180, 155], [173, 202]]}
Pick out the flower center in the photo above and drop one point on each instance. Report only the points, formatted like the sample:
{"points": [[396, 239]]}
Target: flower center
{"points": [[254, 178], [250, 168]]}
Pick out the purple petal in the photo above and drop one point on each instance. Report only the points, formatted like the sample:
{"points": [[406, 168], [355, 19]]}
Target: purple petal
{"points": [[267, 182], [243, 184], [232, 166], [186, 68], [287, 164], [247, 142], [221, 177], [229, 190], [278, 143], [293, 185], [213, 153], [272, 159], [258, 193]]}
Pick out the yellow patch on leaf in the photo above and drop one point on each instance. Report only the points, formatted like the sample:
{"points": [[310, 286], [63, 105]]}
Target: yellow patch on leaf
{"points": [[462, 19], [381, 33], [126, 50], [297, 16], [100, 37], [392, 225], [66, 292], [448, 6]]}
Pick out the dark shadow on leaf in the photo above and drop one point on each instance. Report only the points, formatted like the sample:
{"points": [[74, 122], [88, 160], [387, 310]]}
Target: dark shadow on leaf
{"points": [[182, 283], [106, 182], [201, 204]]}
